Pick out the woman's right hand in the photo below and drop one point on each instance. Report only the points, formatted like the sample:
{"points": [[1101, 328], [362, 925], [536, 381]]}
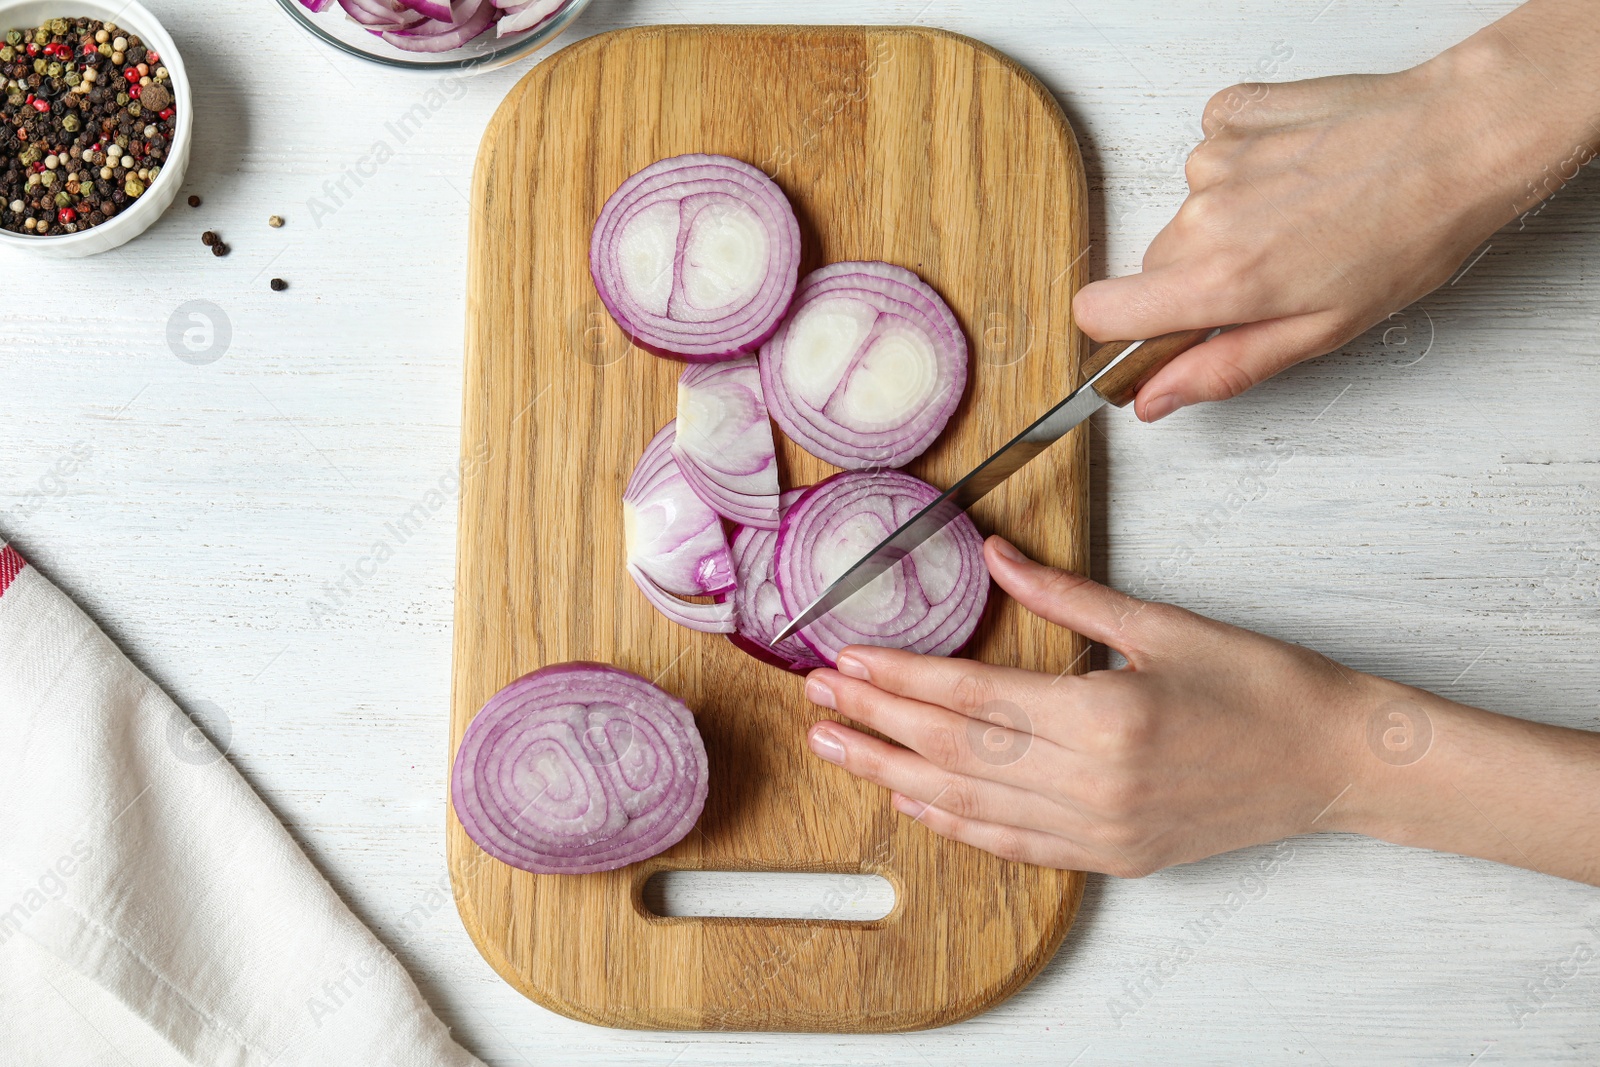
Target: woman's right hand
{"points": [[1319, 208]]}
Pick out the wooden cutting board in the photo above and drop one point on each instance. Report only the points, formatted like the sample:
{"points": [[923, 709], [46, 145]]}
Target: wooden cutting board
{"points": [[909, 145]]}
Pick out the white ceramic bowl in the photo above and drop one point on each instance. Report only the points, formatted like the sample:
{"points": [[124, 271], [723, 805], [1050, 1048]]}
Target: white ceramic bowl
{"points": [[130, 223]]}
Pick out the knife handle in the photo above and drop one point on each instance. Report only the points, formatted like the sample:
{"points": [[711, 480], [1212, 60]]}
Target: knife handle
{"points": [[1120, 384]]}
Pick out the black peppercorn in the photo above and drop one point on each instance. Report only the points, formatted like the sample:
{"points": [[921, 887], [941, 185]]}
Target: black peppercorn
{"points": [[279, 285], [194, 201], [208, 239]]}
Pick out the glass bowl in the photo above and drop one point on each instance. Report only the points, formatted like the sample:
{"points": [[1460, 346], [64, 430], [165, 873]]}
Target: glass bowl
{"points": [[484, 52]]}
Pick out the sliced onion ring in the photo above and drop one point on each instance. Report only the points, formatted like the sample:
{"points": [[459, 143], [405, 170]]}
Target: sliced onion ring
{"points": [[674, 542], [696, 257], [724, 441], [758, 612], [930, 602], [471, 17], [578, 768], [868, 367], [525, 16]]}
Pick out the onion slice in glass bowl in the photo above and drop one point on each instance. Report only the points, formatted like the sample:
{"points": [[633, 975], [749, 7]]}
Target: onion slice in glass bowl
{"points": [[724, 441], [578, 768], [758, 612], [674, 542], [696, 257], [930, 602], [468, 19], [868, 367]]}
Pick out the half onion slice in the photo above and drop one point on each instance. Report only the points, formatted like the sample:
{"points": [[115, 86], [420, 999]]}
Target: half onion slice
{"points": [[696, 257], [930, 602], [577, 768], [724, 441], [674, 542], [758, 612], [867, 368]]}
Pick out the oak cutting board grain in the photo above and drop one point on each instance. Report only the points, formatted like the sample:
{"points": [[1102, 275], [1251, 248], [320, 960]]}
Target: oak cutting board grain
{"points": [[909, 145]]}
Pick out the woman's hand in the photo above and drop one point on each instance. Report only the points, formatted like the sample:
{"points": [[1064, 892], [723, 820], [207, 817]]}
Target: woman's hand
{"points": [[1212, 738], [1318, 208]]}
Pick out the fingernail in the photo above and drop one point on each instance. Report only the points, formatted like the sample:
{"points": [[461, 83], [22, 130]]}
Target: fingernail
{"points": [[817, 692], [827, 746], [906, 806], [1162, 406], [851, 667], [1007, 550]]}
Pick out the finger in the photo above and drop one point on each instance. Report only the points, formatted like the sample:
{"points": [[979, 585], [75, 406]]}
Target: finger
{"points": [[906, 772], [949, 741], [1016, 843], [1074, 601], [962, 685], [1236, 360], [1180, 296]]}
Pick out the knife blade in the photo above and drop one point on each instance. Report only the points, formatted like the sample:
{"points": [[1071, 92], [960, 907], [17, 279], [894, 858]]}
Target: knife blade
{"points": [[1114, 373]]}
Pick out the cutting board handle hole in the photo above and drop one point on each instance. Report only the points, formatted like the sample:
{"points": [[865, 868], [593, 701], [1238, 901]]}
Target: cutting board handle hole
{"points": [[768, 895]]}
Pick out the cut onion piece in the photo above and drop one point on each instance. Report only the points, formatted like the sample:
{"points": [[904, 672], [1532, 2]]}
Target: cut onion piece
{"points": [[377, 17], [867, 368], [758, 612], [724, 441], [471, 17], [439, 10], [316, 7], [577, 768], [526, 16], [696, 257], [930, 602], [674, 542]]}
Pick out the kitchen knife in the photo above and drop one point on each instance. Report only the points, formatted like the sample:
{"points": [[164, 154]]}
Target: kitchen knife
{"points": [[1113, 374]]}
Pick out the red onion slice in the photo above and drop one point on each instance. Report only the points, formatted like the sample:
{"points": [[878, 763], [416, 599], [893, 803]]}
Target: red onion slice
{"points": [[374, 16], [724, 441], [526, 16], [471, 17], [868, 367], [929, 603], [758, 611], [438, 10], [696, 257], [577, 768], [675, 544]]}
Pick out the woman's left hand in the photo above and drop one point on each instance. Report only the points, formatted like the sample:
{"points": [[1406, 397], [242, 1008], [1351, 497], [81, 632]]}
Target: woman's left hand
{"points": [[1212, 738]]}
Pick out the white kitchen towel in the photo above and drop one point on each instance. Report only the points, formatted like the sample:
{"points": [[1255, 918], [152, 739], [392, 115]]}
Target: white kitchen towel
{"points": [[152, 909]]}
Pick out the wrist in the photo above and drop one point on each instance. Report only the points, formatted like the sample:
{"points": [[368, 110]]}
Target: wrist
{"points": [[1431, 773], [1522, 99]]}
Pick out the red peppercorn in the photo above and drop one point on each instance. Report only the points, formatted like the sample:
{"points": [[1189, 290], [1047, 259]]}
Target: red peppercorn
{"points": [[33, 49], [66, 214], [90, 48], [37, 167], [134, 91], [41, 106], [22, 134], [152, 57], [165, 113]]}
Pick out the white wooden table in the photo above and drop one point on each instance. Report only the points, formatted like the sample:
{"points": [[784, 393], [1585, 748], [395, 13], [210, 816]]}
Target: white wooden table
{"points": [[1430, 517]]}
